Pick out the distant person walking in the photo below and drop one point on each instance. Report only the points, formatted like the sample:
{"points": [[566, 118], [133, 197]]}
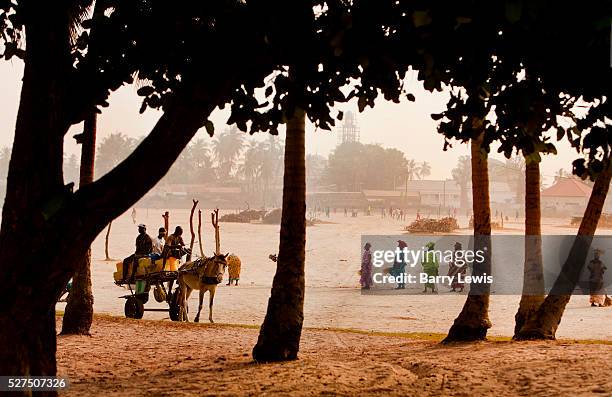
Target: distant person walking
{"points": [[430, 266], [399, 266], [596, 271], [455, 270], [134, 215], [366, 267]]}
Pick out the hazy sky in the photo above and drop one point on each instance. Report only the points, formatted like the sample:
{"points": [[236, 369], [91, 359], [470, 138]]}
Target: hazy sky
{"points": [[406, 126]]}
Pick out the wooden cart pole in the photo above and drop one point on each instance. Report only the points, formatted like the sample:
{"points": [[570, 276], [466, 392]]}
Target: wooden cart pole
{"points": [[166, 217], [200, 233], [215, 222], [108, 229], [195, 203]]}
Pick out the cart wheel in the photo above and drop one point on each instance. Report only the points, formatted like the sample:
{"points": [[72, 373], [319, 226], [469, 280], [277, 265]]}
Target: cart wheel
{"points": [[134, 308], [174, 307]]}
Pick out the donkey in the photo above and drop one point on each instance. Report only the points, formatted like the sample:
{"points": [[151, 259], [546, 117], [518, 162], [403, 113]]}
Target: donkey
{"points": [[203, 274]]}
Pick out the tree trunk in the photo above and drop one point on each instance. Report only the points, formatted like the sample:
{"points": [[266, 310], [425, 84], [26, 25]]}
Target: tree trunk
{"points": [[34, 189], [533, 272], [279, 337], [46, 228], [78, 315], [543, 324], [473, 321]]}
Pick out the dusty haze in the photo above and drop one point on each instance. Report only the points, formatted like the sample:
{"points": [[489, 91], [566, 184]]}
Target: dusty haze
{"points": [[405, 126]]}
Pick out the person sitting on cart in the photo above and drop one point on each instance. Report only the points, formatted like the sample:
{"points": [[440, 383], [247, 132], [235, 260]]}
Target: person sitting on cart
{"points": [[144, 247], [175, 246], [158, 244]]}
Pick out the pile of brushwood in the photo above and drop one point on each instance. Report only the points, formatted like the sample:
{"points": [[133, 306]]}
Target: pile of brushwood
{"points": [[274, 218], [245, 216], [604, 221], [427, 225]]}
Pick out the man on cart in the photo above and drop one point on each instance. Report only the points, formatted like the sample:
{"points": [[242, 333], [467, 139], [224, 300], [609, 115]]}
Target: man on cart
{"points": [[144, 247], [174, 248]]}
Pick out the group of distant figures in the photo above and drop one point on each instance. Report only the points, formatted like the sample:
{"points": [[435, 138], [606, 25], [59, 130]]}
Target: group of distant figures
{"points": [[429, 264]]}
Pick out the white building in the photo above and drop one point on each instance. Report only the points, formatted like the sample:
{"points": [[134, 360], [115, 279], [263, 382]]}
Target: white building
{"points": [[447, 193]]}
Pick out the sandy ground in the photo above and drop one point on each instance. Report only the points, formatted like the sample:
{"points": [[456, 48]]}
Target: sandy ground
{"points": [[152, 358], [333, 298]]}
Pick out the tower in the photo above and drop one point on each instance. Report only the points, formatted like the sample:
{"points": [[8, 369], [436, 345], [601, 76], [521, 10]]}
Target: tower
{"points": [[349, 130]]}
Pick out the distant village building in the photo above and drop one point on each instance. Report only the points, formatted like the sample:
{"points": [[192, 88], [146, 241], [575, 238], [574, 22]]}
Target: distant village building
{"points": [[180, 196], [447, 193], [336, 199], [391, 198], [569, 195], [435, 193]]}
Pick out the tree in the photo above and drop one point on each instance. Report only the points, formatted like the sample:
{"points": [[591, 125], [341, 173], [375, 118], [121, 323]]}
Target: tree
{"points": [[315, 168], [513, 171], [473, 321], [544, 322], [353, 166], [112, 150], [523, 122], [71, 169], [78, 315], [227, 148], [462, 175], [412, 170], [46, 227], [533, 273], [424, 170], [279, 336]]}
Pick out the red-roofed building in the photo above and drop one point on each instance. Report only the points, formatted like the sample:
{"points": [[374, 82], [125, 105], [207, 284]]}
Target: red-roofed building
{"points": [[567, 195]]}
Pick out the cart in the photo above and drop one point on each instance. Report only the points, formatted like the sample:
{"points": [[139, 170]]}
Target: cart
{"points": [[139, 294]]}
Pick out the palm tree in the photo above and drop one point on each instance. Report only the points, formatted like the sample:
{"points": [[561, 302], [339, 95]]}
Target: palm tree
{"points": [[424, 170], [251, 165], [473, 321], [112, 150], [543, 324], [514, 172], [78, 315], [227, 148], [412, 170], [279, 336], [533, 272], [271, 164], [462, 174]]}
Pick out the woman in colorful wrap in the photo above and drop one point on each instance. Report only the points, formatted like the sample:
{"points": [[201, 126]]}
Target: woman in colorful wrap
{"points": [[234, 266], [366, 267], [430, 266], [596, 271], [399, 266], [454, 271]]}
